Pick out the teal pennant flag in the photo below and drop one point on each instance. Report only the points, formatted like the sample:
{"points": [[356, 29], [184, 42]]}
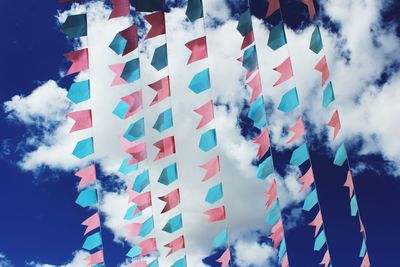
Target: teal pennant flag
{"points": [[244, 24], [277, 37], [200, 82], [173, 224], [153, 263], [135, 131], [75, 26], [282, 250], [310, 201], [92, 241], [131, 213], [168, 175], [250, 58], [164, 121], [125, 168], [354, 206], [265, 168], [316, 41], [221, 239], [83, 148], [328, 96], [160, 57], [341, 155], [320, 240], [147, 227], [299, 155], [148, 5], [141, 182], [134, 252], [257, 113], [208, 140], [194, 10], [79, 92], [289, 101], [180, 263], [363, 250], [214, 194], [131, 71], [118, 44], [87, 198], [273, 213]]}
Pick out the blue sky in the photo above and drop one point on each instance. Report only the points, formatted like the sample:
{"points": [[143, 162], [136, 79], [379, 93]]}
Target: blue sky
{"points": [[41, 223]]}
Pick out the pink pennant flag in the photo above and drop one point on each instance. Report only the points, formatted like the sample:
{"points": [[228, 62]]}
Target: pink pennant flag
{"points": [[326, 260], [91, 223], [285, 261], [87, 175], [206, 112], [148, 246], [79, 59], [142, 201], [365, 262], [212, 166], [133, 230], [335, 124], [176, 245], [166, 147], [264, 144], [272, 7], [198, 47], [362, 228], [322, 66], [307, 180], [277, 234], [271, 194], [162, 88], [225, 258], [311, 7], [138, 153], [317, 223], [82, 118], [95, 258], [349, 183], [130, 34], [216, 214], [172, 199], [248, 40], [286, 71], [120, 8], [135, 103], [117, 69], [157, 22], [255, 84], [297, 129], [250, 73], [139, 264]]}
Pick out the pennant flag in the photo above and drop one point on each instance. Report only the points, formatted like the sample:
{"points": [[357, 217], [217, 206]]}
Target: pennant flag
{"points": [[133, 229], [289, 101], [214, 194], [326, 260], [335, 124], [255, 85], [286, 71], [135, 131], [206, 112], [250, 62], [138, 153], [148, 5], [182, 261], [83, 148], [79, 92], [172, 199], [79, 59], [271, 194], [320, 241], [282, 251], [299, 155], [297, 129], [146, 227], [117, 69], [166, 147], [176, 245], [273, 214], [92, 241], [200, 82], [316, 41], [160, 58], [129, 105], [141, 181], [277, 234], [366, 262], [208, 140], [310, 201], [164, 121], [273, 6], [173, 224], [75, 26], [127, 169], [363, 249], [157, 22], [162, 89], [194, 10], [212, 166], [82, 118], [328, 96], [311, 7], [139, 264], [121, 8], [125, 41], [142, 201], [341, 156], [247, 40], [264, 143], [95, 258], [225, 258], [257, 113], [198, 48], [250, 73], [265, 168], [307, 180], [221, 239], [362, 228], [277, 37], [131, 71], [285, 261], [132, 213], [322, 66], [216, 214], [168, 175], [349, 183], [244, 24], [317, 223], [134, 252], [87, 198], [87, 175], [353, 206], [153, 263], [91, 223]]}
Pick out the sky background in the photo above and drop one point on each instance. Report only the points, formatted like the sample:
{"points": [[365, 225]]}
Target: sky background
{"points": [[40, 224]]}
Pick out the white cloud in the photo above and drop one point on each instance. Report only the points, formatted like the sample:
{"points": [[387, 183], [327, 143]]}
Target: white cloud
{"points": [[249, 252], [4, 262], [78, 260]]}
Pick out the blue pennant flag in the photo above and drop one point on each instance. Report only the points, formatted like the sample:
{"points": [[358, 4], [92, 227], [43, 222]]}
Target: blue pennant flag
{"points": [[130, 213], [118, 44], [221, 239], [363, 250], [353, 206], [320, 241], [87, 198], [328, 96], [153, 263], [164, 121], [180, 263], [311, 200], [214, 194], [316, 41], [121, 110], [135, 131], [173, 224], [131, 71], [273, 213], [127, 169], [168, 175], [277, 37], [148, 5], [299, 155], [250, 58], [244, 24], [141, 182], [194, 10], [92, 241], [282, 250], [265, 168], [134, 252], [200, 82], [147, 227], [79, 92], [83, 148], [257, 113], [160, 57], [289, 101], [75, 26], [341, 156], [208, 140]]}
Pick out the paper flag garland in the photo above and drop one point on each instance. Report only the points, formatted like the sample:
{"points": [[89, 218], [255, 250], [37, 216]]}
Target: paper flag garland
{"points": [[157, 22], [79, 92], [75, 26], [194, 10]]}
